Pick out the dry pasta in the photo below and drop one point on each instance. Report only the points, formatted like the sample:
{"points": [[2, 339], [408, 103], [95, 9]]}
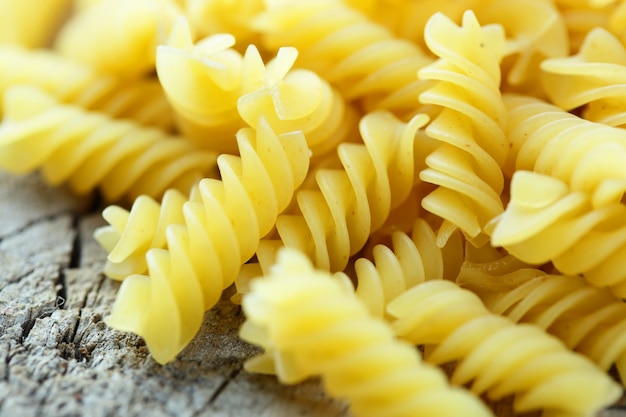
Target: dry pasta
{"points": [[89, 149], [497, 356], [202, 82], [117, 36], [413, 260], [222, 229], [595, 77], [587, 319], [314, 326], [335, 220], [396, 145], [362, 58], [467, 165], [141, 100]]}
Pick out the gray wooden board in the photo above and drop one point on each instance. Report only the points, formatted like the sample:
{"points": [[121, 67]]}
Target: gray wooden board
{"points": [[58, 358]]}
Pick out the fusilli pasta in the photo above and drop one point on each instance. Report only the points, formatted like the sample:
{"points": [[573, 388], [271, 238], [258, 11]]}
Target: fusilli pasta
{"points": [[362, 58], [89, 149], [587, 319], [222, 228], [141, 100], [314, 326], [467, 165], [335, 220], [500, 357], [117, 36]]}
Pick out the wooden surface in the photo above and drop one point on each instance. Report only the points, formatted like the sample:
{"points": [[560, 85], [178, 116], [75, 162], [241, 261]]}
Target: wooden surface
{"points": [[58, 358]]}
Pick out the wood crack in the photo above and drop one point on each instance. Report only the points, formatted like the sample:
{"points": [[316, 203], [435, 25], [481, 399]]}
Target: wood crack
{"points": [[223, 386]]}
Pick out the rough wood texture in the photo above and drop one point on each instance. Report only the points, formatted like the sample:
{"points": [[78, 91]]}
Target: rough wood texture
{"points": [[58, 358]]}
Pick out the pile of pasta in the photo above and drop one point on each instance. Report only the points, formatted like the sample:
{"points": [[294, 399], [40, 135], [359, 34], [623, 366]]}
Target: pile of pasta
{"points": [[370, 175]]}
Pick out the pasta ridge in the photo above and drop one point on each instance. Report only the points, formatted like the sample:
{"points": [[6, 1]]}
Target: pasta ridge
{"points": [[313, 325], [588, 319], [500, 357], [202, 82], [595, 77], [362, 58], [89, 150], [223, 224], [407, 262], [578, 166], [466, 168], [71, 82], [334, 219]]}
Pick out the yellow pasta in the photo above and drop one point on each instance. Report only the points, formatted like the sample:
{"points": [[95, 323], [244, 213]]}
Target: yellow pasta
{"points": [[89, 149], [587, 319], [203, 82], [222, 229], [336, 218], [314, 326], [499, 357], [414, 260], [398, 146], [467, 165], [594, 77], [71, 82], [362, 58], [117, 36], [31, 23], [225, 16]]}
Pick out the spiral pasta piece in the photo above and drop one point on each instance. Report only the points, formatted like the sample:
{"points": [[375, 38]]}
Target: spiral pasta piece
{"points": [[117, 36], [336, 218], [71, 82], [413, 260], [594, 77], [202, 82], [552, 142], [313, 325], [588, 319], [274, 92], [20, 26], [88, 149], [535, 31], [362, 58], [500, 357], [222, 227], [467, 166]]}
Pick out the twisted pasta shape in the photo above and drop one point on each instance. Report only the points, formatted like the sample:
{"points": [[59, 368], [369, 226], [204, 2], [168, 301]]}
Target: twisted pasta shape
{"points": [[362, 58], [117, 36], [500, 357], [219, 91], [222, 228], [564, 227], [550, 141], [535, 31], [89, 150], [588, 319], [467, 166], [412, 261], [71, 82], [594, 77], [313, 325], [202, 82], [275, 92], [336, 218]]}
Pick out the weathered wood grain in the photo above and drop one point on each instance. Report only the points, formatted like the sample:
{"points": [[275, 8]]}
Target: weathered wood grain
{"points": [[58, 358]]}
